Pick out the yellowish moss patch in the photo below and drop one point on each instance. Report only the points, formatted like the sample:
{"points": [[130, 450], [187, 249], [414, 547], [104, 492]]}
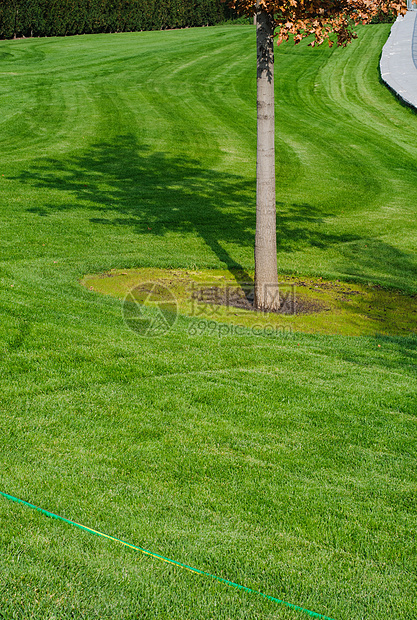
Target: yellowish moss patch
{"points": [[330, 307]]}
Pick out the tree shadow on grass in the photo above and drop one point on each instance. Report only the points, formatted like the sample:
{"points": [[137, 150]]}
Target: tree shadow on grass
{"points": [[153, 193], [300, 225], [126, 184], [374, 260], [150, 193]]}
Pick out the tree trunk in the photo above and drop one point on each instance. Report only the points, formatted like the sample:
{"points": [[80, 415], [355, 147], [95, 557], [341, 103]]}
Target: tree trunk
{"points": [[266, 271]]}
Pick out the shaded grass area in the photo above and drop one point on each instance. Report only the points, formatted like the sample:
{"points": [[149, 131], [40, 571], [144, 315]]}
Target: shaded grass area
{"points": [[287, 465]]}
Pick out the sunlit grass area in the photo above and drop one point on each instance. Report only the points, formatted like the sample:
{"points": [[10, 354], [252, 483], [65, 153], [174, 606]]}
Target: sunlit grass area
{"points": [[286, 464]]}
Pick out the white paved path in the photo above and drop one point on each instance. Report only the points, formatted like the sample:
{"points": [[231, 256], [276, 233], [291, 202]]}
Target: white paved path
{"points": [[398, 62]]}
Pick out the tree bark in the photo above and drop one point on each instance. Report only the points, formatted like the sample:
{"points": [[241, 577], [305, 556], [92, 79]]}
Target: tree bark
{"points": [[266, 270]]}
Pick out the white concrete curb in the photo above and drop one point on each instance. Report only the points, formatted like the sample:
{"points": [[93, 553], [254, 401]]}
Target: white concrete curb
{"points": [[397, 66]]}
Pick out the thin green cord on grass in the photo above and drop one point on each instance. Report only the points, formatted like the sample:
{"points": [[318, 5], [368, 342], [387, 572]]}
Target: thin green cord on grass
{"points": [[312, 614]]}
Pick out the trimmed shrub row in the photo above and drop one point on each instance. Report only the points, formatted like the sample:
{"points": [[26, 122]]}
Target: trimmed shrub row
{"points": [[37, 18]]}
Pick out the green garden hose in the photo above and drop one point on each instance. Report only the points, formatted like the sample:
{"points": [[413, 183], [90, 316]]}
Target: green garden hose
{"points": [[312, 614]]}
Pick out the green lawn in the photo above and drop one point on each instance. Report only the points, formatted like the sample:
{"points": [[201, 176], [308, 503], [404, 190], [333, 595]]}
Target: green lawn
{"points": [[287, 465]]}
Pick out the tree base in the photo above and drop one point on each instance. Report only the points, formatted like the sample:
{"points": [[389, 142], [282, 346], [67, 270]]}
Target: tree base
{"points": [[267, 298]]}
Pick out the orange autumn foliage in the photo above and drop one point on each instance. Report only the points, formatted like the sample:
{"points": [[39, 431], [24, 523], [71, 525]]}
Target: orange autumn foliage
{"points": [[327, 20]]}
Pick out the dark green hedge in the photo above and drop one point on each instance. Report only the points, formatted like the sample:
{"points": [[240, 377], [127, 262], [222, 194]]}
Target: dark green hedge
{"points": [[25, 18]]}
